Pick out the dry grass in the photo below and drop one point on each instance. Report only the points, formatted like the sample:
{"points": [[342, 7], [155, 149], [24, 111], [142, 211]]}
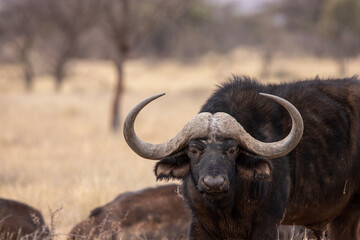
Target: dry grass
{"points": [[56, 150]]}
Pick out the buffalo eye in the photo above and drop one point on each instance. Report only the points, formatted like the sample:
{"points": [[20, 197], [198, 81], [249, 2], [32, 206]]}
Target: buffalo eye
{"points": [[194, 152], [232, 151]]}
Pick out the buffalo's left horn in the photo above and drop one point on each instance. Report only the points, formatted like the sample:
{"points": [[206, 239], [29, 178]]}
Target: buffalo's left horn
{"points": [[195, 128], [229, 127]]}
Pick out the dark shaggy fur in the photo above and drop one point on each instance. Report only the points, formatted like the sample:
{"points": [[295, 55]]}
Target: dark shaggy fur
{"points": [[317, 185], [20, 220], [153, 213]]}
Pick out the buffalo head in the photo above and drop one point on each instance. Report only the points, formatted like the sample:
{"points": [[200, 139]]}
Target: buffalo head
{"points": [[210, 146]]}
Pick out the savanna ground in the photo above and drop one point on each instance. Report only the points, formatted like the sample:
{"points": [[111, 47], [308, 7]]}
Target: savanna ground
{"points": [[56, 149]]}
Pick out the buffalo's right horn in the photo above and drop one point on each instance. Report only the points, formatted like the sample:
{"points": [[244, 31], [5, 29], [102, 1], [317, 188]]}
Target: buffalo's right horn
{"points": [[195, 128]]}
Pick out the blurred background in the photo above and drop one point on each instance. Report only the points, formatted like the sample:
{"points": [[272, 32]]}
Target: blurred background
{"points": [[71, 70]]}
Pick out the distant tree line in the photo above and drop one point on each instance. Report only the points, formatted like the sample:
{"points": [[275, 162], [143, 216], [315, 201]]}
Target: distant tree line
{"points": [[326, 28], [54, 32]]}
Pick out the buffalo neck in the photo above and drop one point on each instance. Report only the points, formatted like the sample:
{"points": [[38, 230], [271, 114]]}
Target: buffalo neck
{"points": [[226, 217]]}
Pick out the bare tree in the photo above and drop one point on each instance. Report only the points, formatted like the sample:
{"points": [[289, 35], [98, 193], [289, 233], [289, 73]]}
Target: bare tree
{"points": [[333, 25], [271, 40], [64, 22], [126, 23], [117, 17], [340, 25], [19, 25]]}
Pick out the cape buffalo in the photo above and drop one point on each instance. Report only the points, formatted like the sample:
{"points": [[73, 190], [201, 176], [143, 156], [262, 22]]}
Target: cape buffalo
{"points": [[251, 160], [153, 213], [20, 220]]}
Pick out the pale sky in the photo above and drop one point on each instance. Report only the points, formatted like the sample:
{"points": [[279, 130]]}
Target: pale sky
{"points": [[246, 6]]}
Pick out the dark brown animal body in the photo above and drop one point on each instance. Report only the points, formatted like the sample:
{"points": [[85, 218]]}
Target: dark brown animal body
{"points": [[20, 220], [243, 181], [153, 213]]}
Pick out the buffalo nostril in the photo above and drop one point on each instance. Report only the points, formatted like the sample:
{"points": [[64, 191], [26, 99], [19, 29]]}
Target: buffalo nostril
{"points": [[214, 184]]}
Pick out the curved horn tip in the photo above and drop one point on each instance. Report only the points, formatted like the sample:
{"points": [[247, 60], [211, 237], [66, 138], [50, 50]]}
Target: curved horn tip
{"points": [[269, 95], [130, 118], [154, 97], [297, 128], [159, 95]]}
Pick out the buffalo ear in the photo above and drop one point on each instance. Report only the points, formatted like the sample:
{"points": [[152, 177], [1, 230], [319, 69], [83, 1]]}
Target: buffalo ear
{"points": [[173, 167], [253, 167]]}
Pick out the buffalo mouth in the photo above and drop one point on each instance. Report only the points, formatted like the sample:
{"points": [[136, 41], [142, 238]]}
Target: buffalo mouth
{"points": [[215, 196], [214, 193]]}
